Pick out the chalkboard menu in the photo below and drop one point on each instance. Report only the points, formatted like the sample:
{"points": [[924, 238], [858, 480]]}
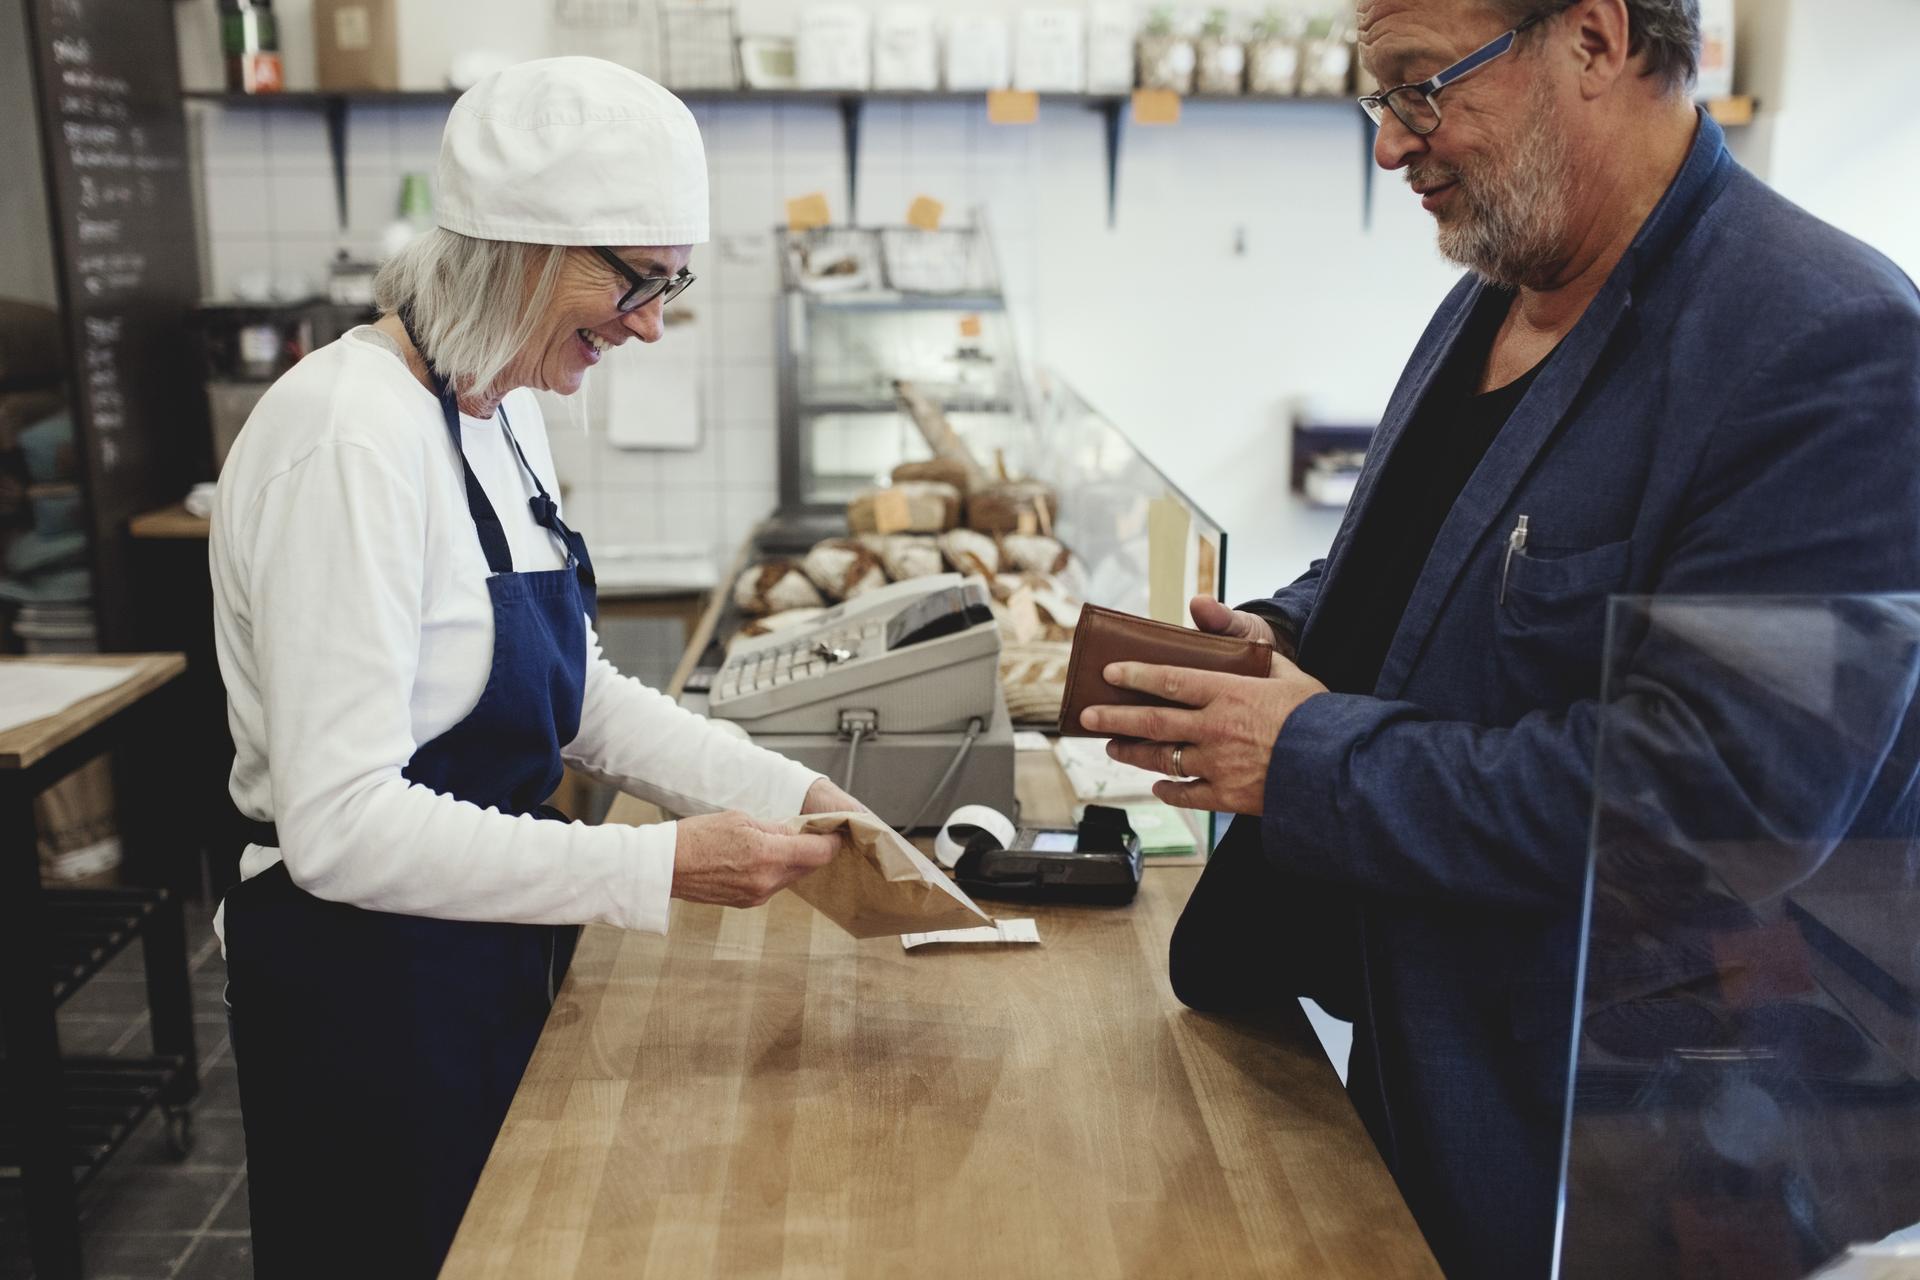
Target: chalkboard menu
{"points": [[107, 88]]}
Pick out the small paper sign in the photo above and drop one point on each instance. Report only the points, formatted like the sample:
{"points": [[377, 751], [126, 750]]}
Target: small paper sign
{"points": [[891, 514], [1012, 106], [925, 213], [1156, 106], [805, 213], [969, 326]]}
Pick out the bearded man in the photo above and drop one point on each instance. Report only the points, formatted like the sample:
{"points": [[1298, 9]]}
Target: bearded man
{"points": [[1659, 377]]}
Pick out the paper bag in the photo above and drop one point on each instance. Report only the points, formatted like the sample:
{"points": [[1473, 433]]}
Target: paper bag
{"points": [[878, 885]]}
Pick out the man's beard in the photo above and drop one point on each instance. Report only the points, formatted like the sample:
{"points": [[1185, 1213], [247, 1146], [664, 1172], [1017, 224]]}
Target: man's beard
{"points": [[1509, 220]]}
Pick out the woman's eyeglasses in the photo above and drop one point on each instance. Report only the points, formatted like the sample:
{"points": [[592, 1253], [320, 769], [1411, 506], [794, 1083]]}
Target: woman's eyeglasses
{"points": [[644, 289]]}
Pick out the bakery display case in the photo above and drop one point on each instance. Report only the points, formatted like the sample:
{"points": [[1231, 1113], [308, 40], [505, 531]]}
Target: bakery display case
{"points": [[864, 310]]}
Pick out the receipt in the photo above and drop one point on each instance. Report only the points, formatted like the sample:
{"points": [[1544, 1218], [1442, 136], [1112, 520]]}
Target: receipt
{"points": [[1003, 931]]}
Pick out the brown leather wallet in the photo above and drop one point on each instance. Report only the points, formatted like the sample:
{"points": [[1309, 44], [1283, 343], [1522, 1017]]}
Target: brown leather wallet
{"points": [[1105, 636]]}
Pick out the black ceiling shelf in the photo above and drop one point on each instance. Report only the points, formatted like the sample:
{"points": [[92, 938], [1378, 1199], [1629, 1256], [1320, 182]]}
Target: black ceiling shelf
{"points": [[1113, 107]]}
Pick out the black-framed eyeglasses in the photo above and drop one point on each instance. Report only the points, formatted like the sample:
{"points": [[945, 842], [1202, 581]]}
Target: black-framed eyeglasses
{"points": [[644, 289], [1414, 105]]}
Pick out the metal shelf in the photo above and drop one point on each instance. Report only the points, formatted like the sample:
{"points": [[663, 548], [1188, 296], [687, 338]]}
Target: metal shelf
{"points": [[1112, 106], [952, 404], [851, 103], [105, 1099], [87, 928], [893, 300]]}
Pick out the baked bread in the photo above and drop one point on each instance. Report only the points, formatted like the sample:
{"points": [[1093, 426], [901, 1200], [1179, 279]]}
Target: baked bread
{"points": [[774, 586]]}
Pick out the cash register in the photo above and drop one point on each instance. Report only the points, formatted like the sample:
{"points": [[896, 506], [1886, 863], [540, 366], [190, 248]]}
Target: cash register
{"points": [[894, 694]]}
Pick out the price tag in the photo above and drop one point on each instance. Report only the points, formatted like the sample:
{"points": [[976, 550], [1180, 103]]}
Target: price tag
{"points": [[891, 514], [925, 213], [805, 213], [969, 326], [1156, 106], [1012, 106]]}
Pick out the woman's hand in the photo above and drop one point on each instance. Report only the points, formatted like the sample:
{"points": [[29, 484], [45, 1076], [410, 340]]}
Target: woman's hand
{"points": [[731, 860], [824, 797]]}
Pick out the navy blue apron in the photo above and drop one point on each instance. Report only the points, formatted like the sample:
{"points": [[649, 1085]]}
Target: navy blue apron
{"points": [[378, 1053]]}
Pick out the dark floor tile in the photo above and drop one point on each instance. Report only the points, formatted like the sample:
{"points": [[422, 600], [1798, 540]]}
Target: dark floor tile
{"points": [[94, 1035], [233, 1214], [219, 1142], [219, 1258], [103, 997], [134, 1255], [142, 1199], [219, 1089]]}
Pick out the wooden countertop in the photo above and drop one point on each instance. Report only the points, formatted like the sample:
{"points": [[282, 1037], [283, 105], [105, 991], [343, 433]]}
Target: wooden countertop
{"points": [[759, 1094], [170, 522], [26, 745]]}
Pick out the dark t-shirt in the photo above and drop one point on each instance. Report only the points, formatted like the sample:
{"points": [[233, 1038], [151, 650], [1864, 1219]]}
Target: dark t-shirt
{"points": [[1450, 433]]}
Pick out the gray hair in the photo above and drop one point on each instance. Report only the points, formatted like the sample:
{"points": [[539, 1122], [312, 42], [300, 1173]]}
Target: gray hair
{"points": [[473, 303], [1667, 31]]}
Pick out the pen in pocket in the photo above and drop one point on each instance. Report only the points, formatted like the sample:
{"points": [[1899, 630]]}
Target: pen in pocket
{"points": [[1516, 541]]}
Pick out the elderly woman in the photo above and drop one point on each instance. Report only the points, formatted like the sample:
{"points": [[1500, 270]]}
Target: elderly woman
{"points": [[405, 628]]}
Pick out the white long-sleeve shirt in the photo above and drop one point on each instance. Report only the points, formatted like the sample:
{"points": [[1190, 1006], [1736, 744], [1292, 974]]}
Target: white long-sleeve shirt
{"points": [[352, 624]]}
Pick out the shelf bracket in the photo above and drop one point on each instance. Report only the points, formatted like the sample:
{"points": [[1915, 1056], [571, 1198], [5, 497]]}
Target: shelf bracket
{"points": [[1112, 109], [336, 107], [851, 107]]}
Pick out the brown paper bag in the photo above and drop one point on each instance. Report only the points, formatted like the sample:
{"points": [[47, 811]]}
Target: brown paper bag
{"points": [[878, 885]]}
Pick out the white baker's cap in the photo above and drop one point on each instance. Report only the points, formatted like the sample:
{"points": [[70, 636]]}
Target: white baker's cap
{"points": [[573, 151]]}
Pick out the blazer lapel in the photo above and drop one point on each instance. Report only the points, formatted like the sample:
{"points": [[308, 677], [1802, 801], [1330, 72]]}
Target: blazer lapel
{"points": [[1486, 494], [1400, 411]]}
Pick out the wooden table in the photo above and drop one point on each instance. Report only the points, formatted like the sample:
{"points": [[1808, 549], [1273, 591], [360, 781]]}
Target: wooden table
{"points": [[759, 1094], [50, 943]]}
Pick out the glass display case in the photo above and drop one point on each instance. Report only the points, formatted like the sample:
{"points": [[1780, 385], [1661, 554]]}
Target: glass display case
{"points": [[1746, 1075], [865, 309]]}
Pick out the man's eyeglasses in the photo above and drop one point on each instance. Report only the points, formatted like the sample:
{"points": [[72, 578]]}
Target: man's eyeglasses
{"points": [[1414, 105], [644, 289]]}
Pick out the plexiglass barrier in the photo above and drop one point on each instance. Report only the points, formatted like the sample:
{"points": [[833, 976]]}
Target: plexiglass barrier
{"points": [[1746, 1073]]}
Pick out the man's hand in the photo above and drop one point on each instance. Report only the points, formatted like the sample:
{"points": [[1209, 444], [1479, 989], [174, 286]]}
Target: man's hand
{"points": [[731, 860], [824, 797], [1224, 730], [1212, 616]]}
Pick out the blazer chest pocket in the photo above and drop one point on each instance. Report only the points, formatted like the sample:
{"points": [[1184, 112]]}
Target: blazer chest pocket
{"points": [[1551, 631]]}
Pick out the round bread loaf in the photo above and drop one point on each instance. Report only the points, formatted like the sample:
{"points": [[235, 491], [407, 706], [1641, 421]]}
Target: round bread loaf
{"points": [[842, 568], [774, 587]]}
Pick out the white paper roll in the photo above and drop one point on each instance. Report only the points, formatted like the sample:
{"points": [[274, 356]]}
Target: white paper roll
{"points": [[962, 825]]}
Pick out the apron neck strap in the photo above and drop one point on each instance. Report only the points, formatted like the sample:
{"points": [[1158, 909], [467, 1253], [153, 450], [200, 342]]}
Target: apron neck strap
{"points": [[486, 523]]}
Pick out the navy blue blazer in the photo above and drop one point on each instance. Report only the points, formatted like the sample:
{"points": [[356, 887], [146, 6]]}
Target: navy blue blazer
{"points": [[1738, 411]]}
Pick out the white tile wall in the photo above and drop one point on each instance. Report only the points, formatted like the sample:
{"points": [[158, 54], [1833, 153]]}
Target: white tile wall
{"points": [[1198, 351]]}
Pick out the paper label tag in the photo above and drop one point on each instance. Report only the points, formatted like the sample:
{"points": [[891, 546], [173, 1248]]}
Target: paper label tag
{"points": [[1012, 106], [1001, 933], [891, 514], [925, 213], [969, 326], [805, 213], [1167, 527], [352, 28], [1156, 106]]}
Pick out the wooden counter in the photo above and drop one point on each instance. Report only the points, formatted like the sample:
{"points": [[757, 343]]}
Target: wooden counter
{"points": [[758, 1094], [26, 745]]}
